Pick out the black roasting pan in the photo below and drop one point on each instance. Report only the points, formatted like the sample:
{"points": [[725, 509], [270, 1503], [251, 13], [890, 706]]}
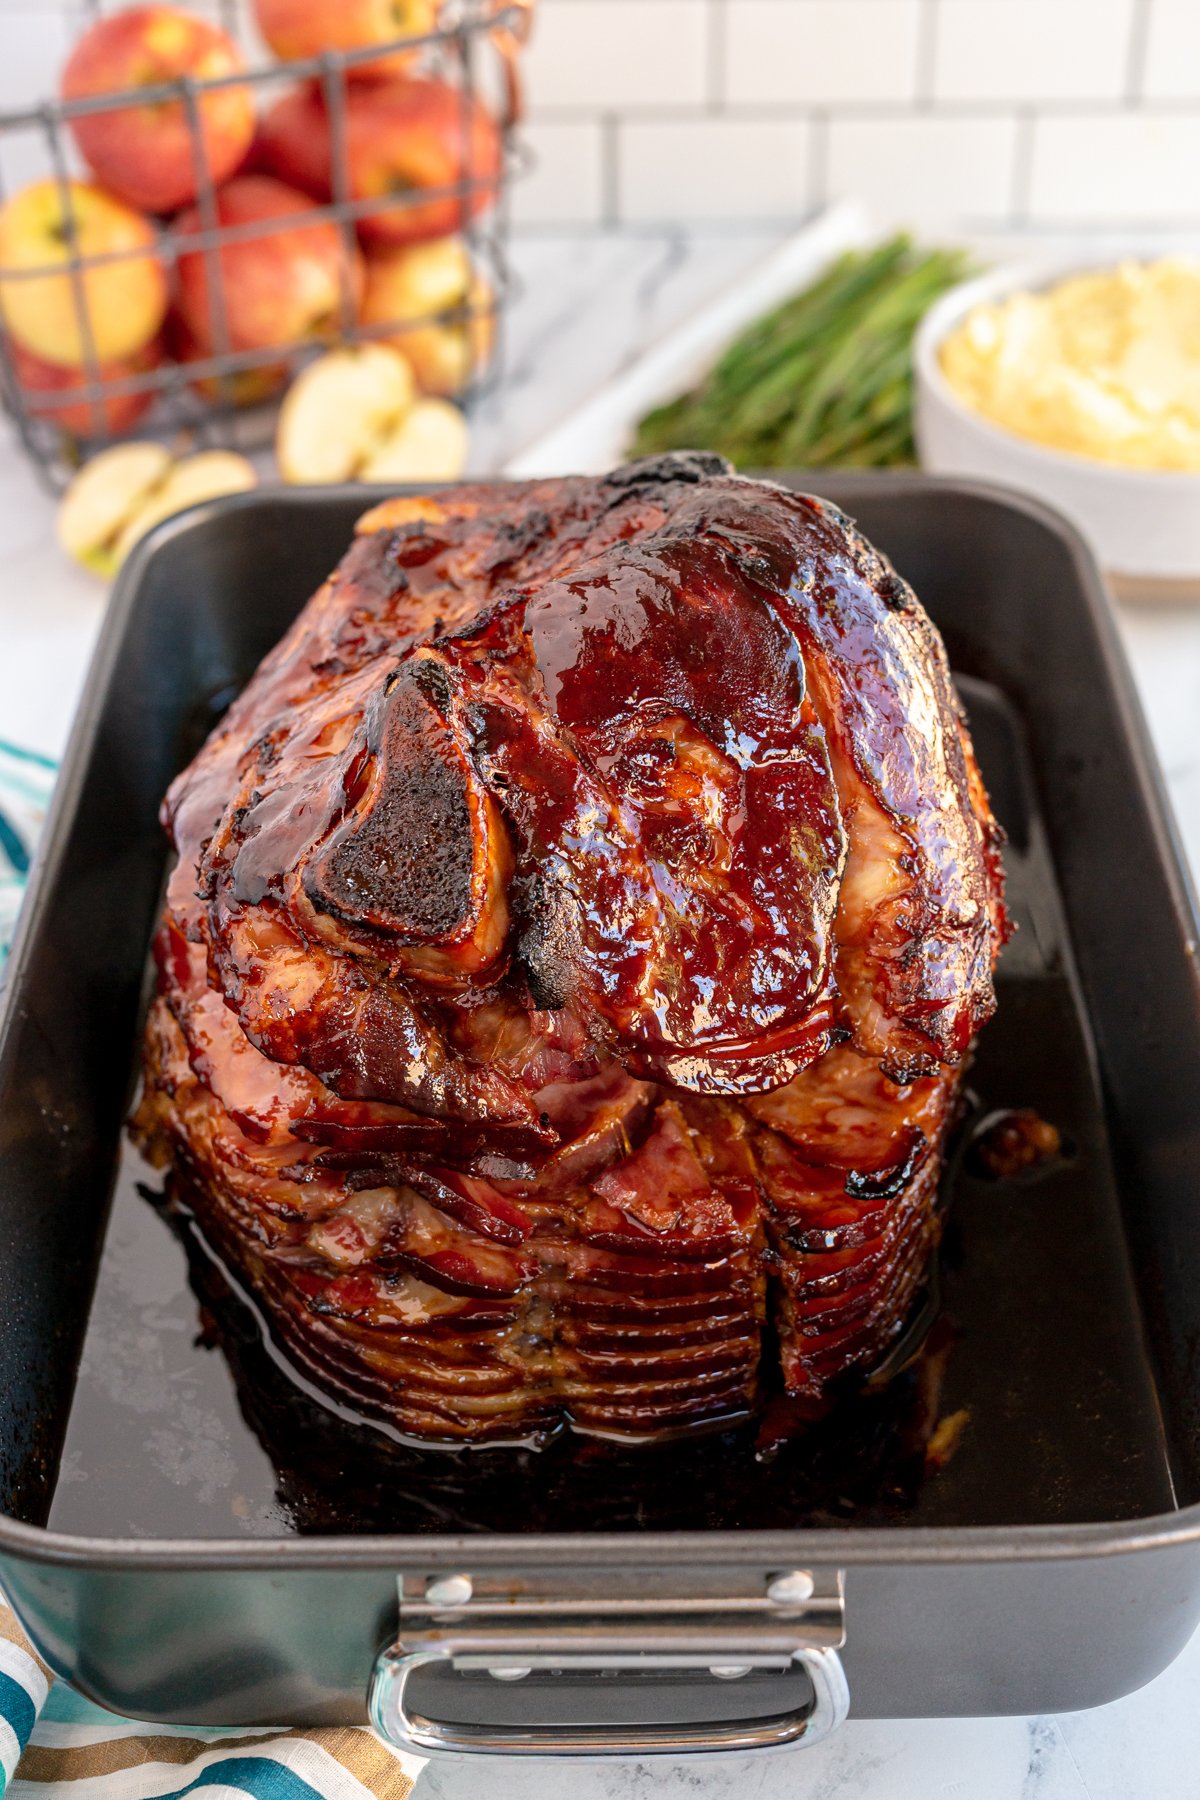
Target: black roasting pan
{"points": [[187, 1535]]}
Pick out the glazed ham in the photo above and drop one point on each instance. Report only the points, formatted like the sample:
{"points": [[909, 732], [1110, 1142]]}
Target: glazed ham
{"points": [[579, 928]]}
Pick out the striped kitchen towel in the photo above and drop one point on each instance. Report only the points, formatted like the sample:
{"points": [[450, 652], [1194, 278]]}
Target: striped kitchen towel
{"points": [[51, 1735], [26, 782]]}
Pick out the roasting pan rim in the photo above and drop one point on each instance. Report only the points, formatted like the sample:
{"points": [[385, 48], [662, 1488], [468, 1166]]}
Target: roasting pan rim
{"points": [[872, 1546]]}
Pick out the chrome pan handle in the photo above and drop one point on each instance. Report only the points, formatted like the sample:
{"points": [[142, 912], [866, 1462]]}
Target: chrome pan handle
{"points": [[400, 1723], [610, 1670]]}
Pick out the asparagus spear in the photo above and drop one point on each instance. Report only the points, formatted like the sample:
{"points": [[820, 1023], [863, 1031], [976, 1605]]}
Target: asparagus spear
{"points": [[825, 378]]}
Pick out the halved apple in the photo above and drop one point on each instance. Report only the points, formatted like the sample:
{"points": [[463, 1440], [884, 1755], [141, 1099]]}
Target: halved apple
{"points": [[430, 445], [340, 410], [206, 476], [116, 497], [354, 415]]}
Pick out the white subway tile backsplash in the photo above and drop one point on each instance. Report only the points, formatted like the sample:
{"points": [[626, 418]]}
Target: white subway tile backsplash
{"points": [[925, 171], [613, 53], [945, 113], [1032, 49], [1118, 167], [821, 51], [714, 168], [565, 182], [1173, 51]]}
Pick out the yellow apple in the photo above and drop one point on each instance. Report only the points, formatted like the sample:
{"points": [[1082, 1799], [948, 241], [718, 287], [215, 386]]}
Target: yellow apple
{"points": [[105, 493], [414, 286], [208, 475], [124, 300]]}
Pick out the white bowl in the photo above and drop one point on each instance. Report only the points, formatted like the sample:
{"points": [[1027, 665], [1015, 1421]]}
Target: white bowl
{"points": [[1142, 523]]}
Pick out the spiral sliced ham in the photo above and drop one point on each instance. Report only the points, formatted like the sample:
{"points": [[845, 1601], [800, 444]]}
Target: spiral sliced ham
{"points": [[580, 924]]}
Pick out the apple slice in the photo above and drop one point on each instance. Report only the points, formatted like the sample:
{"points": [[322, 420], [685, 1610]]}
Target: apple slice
{"points": [[106, 492], [429, 445], [206, 476], [120, 494], [339, 410]]}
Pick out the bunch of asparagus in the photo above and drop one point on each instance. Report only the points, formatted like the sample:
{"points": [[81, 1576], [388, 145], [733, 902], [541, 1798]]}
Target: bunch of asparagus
{"points": [[826, 380]]}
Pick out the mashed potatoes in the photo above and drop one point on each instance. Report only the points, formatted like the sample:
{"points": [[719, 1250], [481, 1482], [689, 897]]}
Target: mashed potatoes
{"points": [[1105, 364]]}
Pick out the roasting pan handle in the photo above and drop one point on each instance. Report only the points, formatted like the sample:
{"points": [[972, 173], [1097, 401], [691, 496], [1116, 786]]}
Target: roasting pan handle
{"points": [[546, 1661], [402, 1723]]}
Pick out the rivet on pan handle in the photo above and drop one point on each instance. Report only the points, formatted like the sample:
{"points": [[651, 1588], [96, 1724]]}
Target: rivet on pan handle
{"points": [[780, 1622]]}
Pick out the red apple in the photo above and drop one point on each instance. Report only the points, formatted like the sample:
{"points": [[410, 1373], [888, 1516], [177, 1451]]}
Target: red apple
{"points": [[300, 28], [38, 380], [292, 142], [279, 287], [402, 137], [145, 154]]}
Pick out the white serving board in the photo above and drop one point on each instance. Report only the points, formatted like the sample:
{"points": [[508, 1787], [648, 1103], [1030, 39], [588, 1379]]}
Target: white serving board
{"points": [[597, 434]]}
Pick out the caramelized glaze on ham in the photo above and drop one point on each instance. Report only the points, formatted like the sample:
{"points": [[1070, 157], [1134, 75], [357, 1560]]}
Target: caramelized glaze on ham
{"points": [[579, 927]]}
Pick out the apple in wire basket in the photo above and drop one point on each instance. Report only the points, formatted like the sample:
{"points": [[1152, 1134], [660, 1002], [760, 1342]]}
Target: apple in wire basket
{"points": [[300, 28], [146, 153], [435, 307], [259, 381], [51, 392], [403, 138], [124, 296], [280, 286]]}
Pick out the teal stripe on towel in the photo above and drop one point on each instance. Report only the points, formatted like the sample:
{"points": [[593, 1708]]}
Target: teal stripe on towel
{"points": [[260, 1776], [26, 784], [20, 754], [12, 846], [17, 1707]]}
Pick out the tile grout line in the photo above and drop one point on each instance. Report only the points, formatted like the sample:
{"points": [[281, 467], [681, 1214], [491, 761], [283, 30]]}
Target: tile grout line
{"points": [[885, 112], [718, 51], [818, 170], [610, 177], [926, 55], [1022, 170], [1139, 45]]}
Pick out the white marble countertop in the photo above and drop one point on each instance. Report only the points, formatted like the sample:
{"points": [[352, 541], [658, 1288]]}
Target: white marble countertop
{"points": [[588, 305]]}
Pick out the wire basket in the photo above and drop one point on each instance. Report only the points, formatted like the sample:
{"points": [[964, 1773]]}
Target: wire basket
{"points": [[202, 396]]}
